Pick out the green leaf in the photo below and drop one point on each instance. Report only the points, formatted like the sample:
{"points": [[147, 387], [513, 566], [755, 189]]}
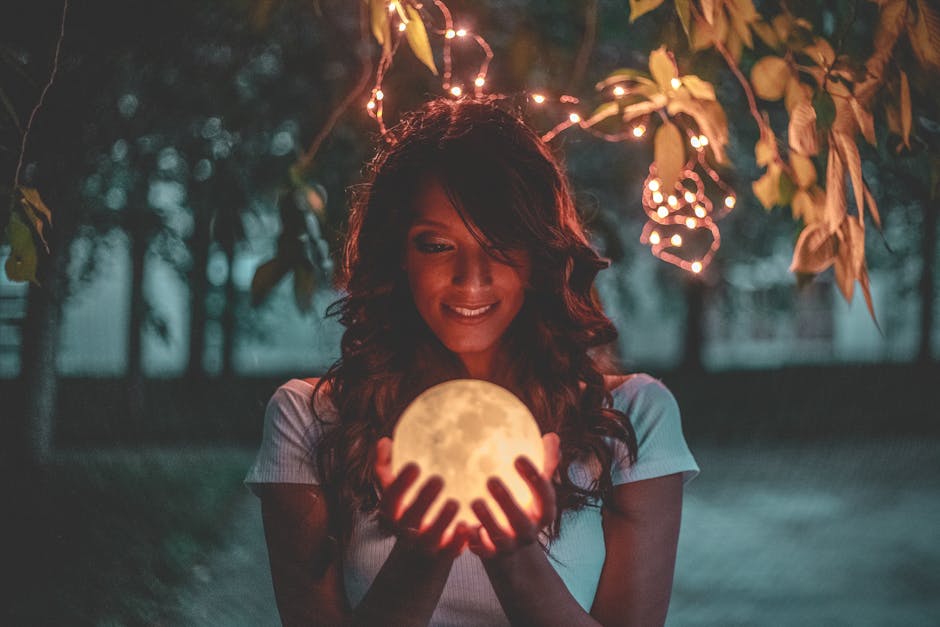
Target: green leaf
{"points": [[641, 7], [418, 38], [785, 189], [825, 110], [669, 154], [21, 264]]}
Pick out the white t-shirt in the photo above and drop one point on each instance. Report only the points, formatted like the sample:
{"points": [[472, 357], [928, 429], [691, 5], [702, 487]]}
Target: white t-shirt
{"points": [[286, 456]]}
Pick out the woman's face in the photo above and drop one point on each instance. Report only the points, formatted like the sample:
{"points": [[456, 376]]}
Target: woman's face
{"points": [[466, 297]]}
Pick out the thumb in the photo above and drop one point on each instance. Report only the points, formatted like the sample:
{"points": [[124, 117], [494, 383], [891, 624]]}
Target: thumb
{"points": [[383, 461], [551, 444]]}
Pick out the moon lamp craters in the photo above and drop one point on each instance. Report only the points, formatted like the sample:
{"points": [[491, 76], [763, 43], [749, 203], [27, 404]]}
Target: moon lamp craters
{"points": [[466, 431]]}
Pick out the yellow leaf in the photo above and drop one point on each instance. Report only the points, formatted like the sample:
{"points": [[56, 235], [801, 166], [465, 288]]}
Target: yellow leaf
{"points": [[418, 38], [33, 206], [850, 257], [669, 154], [797, 92], [905, 102], [808, 205], [641, 7], [769, 76], [848, 152], [821, 52], [766, 33], [873, 206], [734, 44], [804, 172], [381, 29], [703, 90], [710, 118], [21, 264], [835, 207], [638, 109], [866, 121], [744, 8], [739, 23], [765, 150], [702, 35], [767, 187], [684, 11], [708, 10], [814, 251], [924, 35], [801, 131], [663, 68]]}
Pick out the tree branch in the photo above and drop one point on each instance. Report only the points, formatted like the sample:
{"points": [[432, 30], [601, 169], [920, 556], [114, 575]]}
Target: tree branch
{"points": [[587, 45]]}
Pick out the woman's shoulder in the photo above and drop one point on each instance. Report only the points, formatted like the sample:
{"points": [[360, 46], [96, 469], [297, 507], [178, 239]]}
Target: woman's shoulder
{"points": [[297, 396], [639, 391]]}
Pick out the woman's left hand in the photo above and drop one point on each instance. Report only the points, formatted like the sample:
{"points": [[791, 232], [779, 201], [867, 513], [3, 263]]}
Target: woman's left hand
{"points": [[492, 539]]}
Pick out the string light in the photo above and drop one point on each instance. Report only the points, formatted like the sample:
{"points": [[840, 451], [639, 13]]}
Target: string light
{"points": [[686, 206]]}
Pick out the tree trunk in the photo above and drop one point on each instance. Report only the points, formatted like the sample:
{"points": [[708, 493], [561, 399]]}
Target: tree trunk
{"points": [[229, 316], [134, 376], [198, 286], [694, 337], [926, 288]]}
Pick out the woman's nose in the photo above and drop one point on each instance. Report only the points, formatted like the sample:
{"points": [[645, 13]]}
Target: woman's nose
{"points": [[472, 268]]}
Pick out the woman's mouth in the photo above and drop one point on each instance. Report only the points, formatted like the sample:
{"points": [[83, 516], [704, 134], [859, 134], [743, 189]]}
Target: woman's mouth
{"points": [[469, 313]]}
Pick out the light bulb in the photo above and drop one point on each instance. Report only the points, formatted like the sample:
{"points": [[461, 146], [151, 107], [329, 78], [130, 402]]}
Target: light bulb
{"points": [[689, 197], [729, 202], [455, 90], [662, 212], [461, 32], [619, 91], [703, 140], [538, 98], [700, 211], [657, 197], [653, 185], [672, 201], [450, 34], [676, 240], [676, 83], [479, 82], [696, 266], [379, 94], [638, 130], [690, 223], [402, 27], [371, 105], [654, 238], [574, 117], [695, 142]]}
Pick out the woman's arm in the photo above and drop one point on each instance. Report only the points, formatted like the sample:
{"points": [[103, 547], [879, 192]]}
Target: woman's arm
{"points": [[641, 532], [305, 562]]}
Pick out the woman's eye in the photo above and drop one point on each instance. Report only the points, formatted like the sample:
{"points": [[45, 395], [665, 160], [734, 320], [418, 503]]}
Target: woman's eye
{"points": [[431, 247]]}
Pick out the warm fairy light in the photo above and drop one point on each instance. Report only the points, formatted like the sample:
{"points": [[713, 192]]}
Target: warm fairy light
{"points": [[450, 34], [654, 238], [729, 202], [480, 81], [538, 98], [461, 32], [700, 211], [370, 105], [657, 197], [690, 223], [676, 240], [689, 197], [574, 118], [662, 212], [676, 83], [696, 266], [619, 91], [391, 7], [456, 90], [703, 140], [654, 186], [695, 142], [379, 94], [672, 201], [402, 27], [638, 130]]}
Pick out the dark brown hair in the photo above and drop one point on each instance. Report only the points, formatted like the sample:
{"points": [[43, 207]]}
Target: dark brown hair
{"points": [[511, 192]]}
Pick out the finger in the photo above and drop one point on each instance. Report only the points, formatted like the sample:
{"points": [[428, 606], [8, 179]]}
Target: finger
{"points": [[413, 516], [458, 541], [498, 537], [383, 462], [480, 547], [433, 535], [519, 521], [551, 445], [395, 491], [542, 489]]}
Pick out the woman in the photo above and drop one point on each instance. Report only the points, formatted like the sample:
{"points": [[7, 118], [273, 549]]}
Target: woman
{"points": [[465, 257]]}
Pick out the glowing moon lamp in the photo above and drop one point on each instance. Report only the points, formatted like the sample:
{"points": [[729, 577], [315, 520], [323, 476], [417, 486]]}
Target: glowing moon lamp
{"points": [[467, 431]]}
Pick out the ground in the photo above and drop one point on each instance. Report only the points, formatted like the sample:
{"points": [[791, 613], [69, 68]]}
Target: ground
{"points": [[828, 533]]}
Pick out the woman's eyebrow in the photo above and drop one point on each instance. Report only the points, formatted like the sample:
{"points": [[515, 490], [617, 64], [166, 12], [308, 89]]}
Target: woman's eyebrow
{"points": [[429, 222]]}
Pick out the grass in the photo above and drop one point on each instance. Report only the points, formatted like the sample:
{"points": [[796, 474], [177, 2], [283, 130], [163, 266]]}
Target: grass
{"points": [[103, 537]]}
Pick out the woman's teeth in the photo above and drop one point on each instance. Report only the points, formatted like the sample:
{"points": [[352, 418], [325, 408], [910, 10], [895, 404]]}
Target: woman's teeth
{"points": [[470, 313]]}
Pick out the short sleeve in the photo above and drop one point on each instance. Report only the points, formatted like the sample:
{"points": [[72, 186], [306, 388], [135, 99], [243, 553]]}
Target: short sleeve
{"points": [[661, 446], [289, 437]]}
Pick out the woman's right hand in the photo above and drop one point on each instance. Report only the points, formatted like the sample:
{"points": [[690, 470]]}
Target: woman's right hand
{"points": [[406, 522]]}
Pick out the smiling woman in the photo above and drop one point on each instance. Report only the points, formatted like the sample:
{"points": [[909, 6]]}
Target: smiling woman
{"points": [[466, 258]]}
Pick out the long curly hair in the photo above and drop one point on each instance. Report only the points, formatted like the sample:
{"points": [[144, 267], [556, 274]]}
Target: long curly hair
{"points": [[509, 189]]}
